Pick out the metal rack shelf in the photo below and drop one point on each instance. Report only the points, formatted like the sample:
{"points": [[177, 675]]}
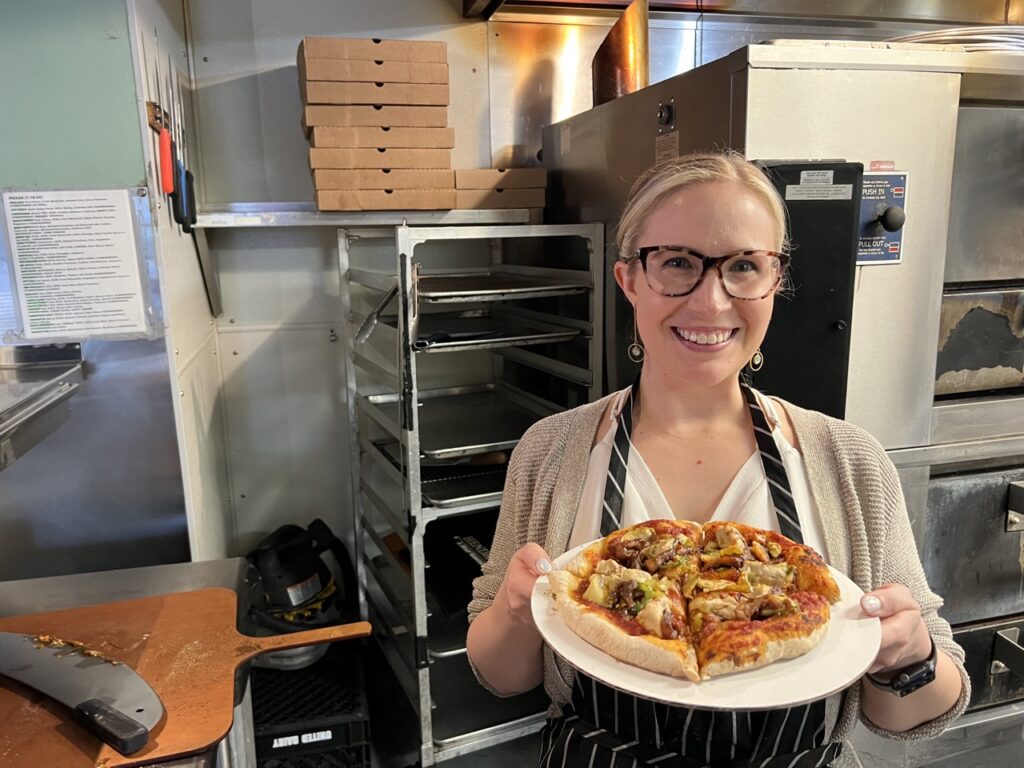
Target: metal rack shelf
{"points": [[450, 485], [459, 422], [493, 286], [479, 329], [421, 454]]}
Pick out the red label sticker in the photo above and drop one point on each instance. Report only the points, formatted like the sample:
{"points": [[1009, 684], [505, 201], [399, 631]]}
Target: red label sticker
{"points": [[882, 165], [894, 247], [897, 191]]}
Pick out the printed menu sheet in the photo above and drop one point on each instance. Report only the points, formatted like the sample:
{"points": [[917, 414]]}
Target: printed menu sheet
{"points": [[76, 266]]}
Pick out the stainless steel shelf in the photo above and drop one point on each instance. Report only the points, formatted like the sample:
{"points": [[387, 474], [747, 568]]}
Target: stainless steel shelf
{"points": [[306, 215], [458, 425], [480, 329], [494, 286]]}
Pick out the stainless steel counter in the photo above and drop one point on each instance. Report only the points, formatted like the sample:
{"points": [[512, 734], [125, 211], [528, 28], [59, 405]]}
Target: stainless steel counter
{"points": [[237, 750]]}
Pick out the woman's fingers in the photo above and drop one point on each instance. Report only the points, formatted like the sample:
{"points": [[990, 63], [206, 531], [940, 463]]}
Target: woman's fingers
{"points": [[904, 634], [534, 559], [887, 600], [526, 566]]}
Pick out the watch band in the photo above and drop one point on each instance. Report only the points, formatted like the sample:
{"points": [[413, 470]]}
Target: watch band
{"points": [[912, 678]]}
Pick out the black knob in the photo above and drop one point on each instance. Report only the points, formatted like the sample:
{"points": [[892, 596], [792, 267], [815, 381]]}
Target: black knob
{"points": [[840, 325], [666, 114], [892, 218]]}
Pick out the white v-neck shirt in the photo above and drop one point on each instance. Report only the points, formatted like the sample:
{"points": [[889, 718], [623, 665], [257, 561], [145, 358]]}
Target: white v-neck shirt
{"points": [[746, 500]]}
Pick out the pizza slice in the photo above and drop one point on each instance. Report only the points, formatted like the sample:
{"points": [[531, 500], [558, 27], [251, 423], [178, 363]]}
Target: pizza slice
{"points": [[734, 632], [760, 597], [635, 614]]}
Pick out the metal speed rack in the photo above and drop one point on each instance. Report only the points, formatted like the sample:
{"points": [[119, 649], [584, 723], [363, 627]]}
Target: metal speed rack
{"points": [[509, 337]]}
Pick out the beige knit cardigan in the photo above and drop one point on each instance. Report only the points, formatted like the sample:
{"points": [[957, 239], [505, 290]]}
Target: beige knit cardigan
{"points": [[863, 516]]}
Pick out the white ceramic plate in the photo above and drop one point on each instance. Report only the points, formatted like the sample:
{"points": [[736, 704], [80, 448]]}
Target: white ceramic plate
{"points": [[842, 657]]}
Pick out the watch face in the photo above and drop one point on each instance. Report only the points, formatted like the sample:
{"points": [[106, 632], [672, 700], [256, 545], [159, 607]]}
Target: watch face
{"points": [[914, 678]]}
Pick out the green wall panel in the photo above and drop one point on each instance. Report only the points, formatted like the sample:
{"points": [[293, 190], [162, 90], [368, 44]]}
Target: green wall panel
{"points": [[67, 95]]}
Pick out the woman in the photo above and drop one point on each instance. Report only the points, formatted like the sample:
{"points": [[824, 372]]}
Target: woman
{"points": [[702, 244]]}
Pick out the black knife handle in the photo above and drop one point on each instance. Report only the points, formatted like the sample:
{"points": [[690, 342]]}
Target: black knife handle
{"points": [[113, 727]]}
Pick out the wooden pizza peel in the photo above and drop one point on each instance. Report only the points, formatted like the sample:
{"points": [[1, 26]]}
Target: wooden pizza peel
{"points": [[184, 645]]}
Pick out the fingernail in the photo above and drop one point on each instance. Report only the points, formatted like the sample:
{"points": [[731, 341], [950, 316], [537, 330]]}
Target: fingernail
{"points": [[871, 604], [543, 566]]}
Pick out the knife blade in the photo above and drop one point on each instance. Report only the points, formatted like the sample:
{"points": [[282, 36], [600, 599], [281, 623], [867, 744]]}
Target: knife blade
{"points": [[108, 698]]}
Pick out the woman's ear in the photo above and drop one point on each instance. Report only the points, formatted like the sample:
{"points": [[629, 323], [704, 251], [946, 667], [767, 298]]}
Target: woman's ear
{"points": [[626, 274]]}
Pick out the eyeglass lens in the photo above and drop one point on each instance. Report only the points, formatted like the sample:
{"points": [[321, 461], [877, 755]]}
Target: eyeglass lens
{"points": [[746, 275]]}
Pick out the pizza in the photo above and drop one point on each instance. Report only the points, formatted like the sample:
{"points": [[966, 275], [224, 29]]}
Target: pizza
{"points": [[696, 601]]}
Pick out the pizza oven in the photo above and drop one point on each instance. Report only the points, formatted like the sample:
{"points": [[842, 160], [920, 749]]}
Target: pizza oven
{"points": [[965, 490]]}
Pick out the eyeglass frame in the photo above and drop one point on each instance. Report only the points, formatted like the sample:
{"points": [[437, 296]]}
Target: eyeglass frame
{"points": [[710, 262]]}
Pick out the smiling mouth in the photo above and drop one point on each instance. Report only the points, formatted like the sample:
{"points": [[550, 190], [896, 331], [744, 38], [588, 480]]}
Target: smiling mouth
{"points": [[705, 338]]}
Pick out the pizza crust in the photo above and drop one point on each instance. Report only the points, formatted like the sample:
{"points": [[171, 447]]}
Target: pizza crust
{"points": [[668, 657], [773, 650]]}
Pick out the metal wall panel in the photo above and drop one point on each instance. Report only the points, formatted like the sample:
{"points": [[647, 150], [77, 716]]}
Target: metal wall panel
{"points": [[104, 490], [815, 113], [248, 106], [286, 421]]}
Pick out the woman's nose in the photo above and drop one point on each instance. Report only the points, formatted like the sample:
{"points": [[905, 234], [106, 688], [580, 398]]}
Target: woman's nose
{"points": [[710, 292]]}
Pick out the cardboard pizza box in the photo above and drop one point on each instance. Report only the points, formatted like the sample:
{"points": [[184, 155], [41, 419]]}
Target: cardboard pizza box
{"points": [[383, 178], [409, 94], [383, 136], [499, 198], [359, 157], [504, 178], [372, 71], [385, 200], [375, 115], [373, 48]]}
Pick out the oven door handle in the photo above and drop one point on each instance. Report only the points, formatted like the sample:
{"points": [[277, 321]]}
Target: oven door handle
{"points": [[1007, 653]]}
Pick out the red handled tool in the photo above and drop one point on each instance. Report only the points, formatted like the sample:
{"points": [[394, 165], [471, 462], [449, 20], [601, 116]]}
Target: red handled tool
{"points": [[166, 149]]}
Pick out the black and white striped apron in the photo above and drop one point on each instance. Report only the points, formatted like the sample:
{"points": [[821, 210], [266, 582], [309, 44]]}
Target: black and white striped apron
{"points": [[603, 727]]}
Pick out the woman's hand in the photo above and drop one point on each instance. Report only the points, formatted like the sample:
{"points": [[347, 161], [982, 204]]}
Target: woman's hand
{"points": [[529, 563], [905, 638]]}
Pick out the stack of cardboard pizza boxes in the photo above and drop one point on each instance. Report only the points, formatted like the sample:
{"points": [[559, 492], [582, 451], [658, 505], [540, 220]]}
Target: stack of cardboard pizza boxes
{"points": [[376, 112], [500, 187]]}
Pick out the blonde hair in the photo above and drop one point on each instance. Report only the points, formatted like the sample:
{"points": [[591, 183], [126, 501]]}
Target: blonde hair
{"points": [[662, 180]]}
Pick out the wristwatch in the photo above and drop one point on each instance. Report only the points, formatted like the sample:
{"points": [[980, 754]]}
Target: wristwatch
{"points": [[909, 679]]}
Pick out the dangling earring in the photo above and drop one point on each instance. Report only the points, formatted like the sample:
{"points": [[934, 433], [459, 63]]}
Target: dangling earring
{"points": [[757, 361], [636, 349]]}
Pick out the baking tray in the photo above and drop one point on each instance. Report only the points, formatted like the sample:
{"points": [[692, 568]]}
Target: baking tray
{"points": [[453, 484], [465, 424], [493, 286], [479, 329]]}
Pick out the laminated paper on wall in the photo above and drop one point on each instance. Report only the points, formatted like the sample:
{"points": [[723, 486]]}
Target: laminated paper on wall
{"points": [[321, 92], [499, 198], [373, 71], [385, 200], [370, 136], [357, 157], [506, 178], [383, 178], [373, 48], [400, 116]]}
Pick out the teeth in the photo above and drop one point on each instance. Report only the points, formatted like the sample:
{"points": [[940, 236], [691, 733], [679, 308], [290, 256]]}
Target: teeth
{"points": [[715, 337]]}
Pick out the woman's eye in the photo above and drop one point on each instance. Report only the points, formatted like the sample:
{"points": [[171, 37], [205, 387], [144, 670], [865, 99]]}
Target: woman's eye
{"points": [[678, 263], [743, 266]]}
